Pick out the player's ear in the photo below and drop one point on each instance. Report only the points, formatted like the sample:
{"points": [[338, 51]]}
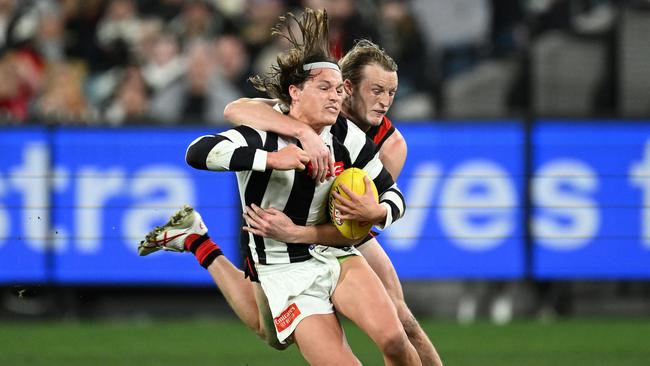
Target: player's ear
{"points": [[294, 92], [347, 86]]}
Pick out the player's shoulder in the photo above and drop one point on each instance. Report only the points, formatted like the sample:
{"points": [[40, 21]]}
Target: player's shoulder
{"points": [[250, 136], [394, 142], [387, 123], [345, 130], [394, 145], [249, 132], [381, 132], [355, 130]]}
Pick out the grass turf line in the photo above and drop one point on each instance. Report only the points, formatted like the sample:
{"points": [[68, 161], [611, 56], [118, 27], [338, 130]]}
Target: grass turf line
{"points": [[594, 342]]}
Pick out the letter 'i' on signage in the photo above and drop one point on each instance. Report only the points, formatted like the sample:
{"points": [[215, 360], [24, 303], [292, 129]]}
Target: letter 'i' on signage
{"points": [[640, 177]]}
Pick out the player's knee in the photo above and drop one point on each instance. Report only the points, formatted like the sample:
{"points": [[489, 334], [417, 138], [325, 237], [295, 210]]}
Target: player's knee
{"points": [[410, 324], [273, 342], [406, 317], [277, 345], [259, 331], [393, 343]]}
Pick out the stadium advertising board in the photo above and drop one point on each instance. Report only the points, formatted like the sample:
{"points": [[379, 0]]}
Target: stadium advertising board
{"points": [[462, 183], [24, 201], [591, 194], [75, 202], [108, 188]]}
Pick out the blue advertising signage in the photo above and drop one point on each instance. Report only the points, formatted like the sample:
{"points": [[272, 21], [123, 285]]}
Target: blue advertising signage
{"points": [[108, 188], [120, 185], [74, 203], [463, 184], [591, 196], [24, 205]]}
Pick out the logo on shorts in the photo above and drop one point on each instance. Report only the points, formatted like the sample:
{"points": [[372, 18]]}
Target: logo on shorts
{"points": [[284, 320]]}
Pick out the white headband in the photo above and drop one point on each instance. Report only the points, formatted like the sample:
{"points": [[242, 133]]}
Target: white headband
{"points": [[321, 65]]}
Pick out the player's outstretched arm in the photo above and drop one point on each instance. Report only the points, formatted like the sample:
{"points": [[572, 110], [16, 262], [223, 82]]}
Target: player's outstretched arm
{"points": [[260, 114], [274, 224]]}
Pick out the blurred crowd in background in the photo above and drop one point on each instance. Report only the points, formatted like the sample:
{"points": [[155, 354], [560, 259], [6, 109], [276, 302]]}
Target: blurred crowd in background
{"points": [[116, 62]]}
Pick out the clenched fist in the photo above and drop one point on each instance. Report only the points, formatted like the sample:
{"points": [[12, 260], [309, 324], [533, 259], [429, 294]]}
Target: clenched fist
{"points": [[287, 158]]}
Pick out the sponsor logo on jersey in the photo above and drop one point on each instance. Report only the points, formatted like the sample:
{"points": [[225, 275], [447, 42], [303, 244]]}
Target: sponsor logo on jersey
{"points": [[338, 169]]}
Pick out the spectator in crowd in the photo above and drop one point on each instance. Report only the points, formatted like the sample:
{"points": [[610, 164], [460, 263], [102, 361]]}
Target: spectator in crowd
{"points": [[49, 39], [199, 19], [401, 36], [7, 8], [21, 72], [455, 31], [130, 100], [233, 61], [13, 103], [587, 17], [151, 30], [117, 32], [63, 99], [164, 10], [348, 22], [165, 64], [202, 93], [81, 20], [433, 41], [262, 15]]}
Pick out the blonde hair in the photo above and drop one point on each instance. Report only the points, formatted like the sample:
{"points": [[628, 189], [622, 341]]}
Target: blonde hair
{"points": [[364, 53]]}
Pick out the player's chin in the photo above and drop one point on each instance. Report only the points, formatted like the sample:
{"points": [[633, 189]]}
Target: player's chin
{"points": [[330, 118], [374, 119]]}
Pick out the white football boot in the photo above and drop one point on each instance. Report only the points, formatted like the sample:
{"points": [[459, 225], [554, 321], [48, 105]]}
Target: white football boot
{"points": [[171, 236]]}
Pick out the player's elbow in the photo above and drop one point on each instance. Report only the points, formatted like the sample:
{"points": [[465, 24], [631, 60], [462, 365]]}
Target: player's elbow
{"points": [[191, 159], [194, 158], [228, 112], [231, 113]]}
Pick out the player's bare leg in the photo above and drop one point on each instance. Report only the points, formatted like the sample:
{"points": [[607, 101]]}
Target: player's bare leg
{"points": [[237, 290], [330, 348], [247, 302], [265, 320], [382, 266], [357, 283], [185, 231]]}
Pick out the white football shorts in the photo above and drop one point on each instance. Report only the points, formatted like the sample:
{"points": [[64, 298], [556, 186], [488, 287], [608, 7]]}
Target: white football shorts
{"points": [[298, 290]]}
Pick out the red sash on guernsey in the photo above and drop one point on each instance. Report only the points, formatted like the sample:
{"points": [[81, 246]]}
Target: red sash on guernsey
{"points": [[379, 134]]}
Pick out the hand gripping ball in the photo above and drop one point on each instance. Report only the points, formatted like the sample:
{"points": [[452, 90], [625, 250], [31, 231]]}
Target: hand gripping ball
{"points": [[353, 179]]}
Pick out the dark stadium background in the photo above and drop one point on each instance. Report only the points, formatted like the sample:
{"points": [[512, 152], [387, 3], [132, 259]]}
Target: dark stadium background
{"points": [[527, 239]]}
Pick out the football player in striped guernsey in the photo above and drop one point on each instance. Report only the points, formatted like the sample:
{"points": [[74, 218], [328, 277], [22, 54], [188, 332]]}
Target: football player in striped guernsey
{"points": [[304, 274], [370, 82]]}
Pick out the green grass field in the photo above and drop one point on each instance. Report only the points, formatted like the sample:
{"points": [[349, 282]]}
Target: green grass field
{"points": [[226, 342]]}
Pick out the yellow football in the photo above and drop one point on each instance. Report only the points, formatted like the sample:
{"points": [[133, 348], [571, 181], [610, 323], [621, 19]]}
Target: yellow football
{"points": [[352, 178]]}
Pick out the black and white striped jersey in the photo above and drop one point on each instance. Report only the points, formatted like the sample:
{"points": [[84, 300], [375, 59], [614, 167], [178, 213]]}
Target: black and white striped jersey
{"points": [[301, 198]]}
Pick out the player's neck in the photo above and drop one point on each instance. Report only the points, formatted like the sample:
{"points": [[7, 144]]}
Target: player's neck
{"points": [[315, 125], [355, 119]]}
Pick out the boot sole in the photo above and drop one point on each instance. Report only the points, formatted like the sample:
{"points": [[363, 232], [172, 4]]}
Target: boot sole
{"points": [[148, 245]]}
